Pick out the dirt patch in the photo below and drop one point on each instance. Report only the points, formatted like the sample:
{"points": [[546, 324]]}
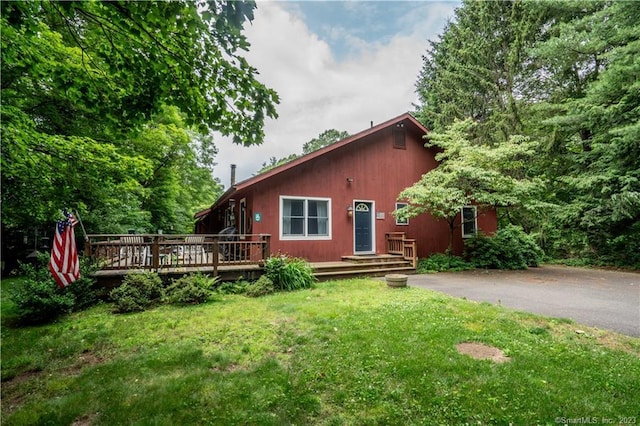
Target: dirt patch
{"points": [[481, 351], [12, 394], [82, 361], [85, 420], [230, 368]]}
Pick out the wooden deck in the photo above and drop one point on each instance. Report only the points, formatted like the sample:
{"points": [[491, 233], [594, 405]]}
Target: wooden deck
{"points": [[230, 257], [371, 266]]}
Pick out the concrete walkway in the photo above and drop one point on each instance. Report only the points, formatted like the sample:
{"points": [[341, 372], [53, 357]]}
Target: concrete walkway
{"points": [[594, 297]]}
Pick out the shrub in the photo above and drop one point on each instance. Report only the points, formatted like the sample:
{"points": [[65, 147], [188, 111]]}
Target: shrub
{"points": [[191, 289], [138, 292], [509, 248], [439, 262], [38, 299], [289, 273], [261, 287], [239, 286], [84, 289]]}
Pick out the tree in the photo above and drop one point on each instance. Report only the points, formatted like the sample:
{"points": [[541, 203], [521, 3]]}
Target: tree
{"points": [[325, 138], [94, 67], [476, 70], [470, 174], [81, 84], [598, 121], [181, 182], [564, 74], [275, 162]]}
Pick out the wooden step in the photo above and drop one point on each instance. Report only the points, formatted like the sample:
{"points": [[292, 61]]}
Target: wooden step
{"points": [[373, 258], [350, 273], [330, 266], [362, 266]]}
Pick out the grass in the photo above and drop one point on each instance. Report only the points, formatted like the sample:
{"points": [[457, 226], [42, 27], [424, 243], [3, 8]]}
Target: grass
{"points": [[345, 352]]}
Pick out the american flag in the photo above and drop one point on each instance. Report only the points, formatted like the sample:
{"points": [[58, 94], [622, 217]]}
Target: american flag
{"points": [[64, 264]]}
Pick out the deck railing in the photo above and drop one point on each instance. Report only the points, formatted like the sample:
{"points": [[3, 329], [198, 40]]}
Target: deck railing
{"points": [[398, 244], [158, 251]]}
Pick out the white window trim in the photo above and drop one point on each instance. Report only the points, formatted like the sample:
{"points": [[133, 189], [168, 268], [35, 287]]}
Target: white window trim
{"points": [[304, 237], [406, 223], [475, 221]]}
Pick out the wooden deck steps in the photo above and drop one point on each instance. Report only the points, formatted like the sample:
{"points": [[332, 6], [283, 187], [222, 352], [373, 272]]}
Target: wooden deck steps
{"points": [[349, 267], [358, 266]]}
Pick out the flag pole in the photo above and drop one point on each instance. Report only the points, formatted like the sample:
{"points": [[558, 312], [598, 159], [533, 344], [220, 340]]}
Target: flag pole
{"points": [[82, 226]]}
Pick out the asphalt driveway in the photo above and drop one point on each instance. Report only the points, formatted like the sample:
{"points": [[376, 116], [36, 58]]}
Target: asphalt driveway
{"points": [[598, 298]]}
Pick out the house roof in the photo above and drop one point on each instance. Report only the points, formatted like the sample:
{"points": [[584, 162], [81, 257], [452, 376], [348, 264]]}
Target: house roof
{"points": [[406, 117]]}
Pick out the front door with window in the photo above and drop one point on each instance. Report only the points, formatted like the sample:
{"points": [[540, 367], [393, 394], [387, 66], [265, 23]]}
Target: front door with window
{"points": [[363, 227]]}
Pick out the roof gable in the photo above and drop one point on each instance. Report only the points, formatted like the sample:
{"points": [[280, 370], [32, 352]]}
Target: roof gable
{"points": [[323, 151], [406, 117]]}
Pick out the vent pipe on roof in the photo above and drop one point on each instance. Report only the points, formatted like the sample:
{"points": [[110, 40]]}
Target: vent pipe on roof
{"points": [[233, 175], [371, 123]]}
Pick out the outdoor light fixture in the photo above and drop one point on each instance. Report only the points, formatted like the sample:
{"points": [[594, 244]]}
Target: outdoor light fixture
{"points": [[350, 211], [349, 180]]}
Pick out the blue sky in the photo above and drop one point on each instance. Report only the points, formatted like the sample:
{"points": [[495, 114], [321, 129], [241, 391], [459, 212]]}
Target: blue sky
{"points": [[346, 26], [334, 64]]}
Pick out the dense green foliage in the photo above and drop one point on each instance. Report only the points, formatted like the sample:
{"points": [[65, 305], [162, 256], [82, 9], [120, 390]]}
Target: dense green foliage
{"points": [[38, 299], [138, 292], [347, 352], [191, 289], [440, 262], [562, 74], [471, 173], [289, 273], [238, 286], [509, 248], [107, 108], [261, 287]]}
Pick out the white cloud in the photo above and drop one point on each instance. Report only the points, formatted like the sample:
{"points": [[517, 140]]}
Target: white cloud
{"points": [[374, 83]]}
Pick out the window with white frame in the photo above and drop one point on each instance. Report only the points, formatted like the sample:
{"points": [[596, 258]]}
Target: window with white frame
{"points": [[469, 221], [400, 220], [305, 218]]}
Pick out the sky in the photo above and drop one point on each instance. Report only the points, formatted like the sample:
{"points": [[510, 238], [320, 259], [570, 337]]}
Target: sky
{"points": [[335, 65]]}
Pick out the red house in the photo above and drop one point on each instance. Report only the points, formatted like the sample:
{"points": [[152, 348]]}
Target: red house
{"points": [[339, 200]]}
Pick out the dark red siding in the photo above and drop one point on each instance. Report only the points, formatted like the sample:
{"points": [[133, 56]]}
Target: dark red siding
{"points": [[378, 172], [367, 169]]}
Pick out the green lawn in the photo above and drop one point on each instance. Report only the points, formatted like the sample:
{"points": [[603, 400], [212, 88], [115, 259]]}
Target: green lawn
{"points": [[346, 352]]}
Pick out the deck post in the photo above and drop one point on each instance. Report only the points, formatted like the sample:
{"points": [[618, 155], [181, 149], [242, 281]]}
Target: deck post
{"points": [[155, 253], [216, 255], [266, 246], [87, 247]]}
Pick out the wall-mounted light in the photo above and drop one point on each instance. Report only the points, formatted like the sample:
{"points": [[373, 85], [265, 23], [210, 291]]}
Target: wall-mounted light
{"points": [[349, 180], [350, 211]]}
